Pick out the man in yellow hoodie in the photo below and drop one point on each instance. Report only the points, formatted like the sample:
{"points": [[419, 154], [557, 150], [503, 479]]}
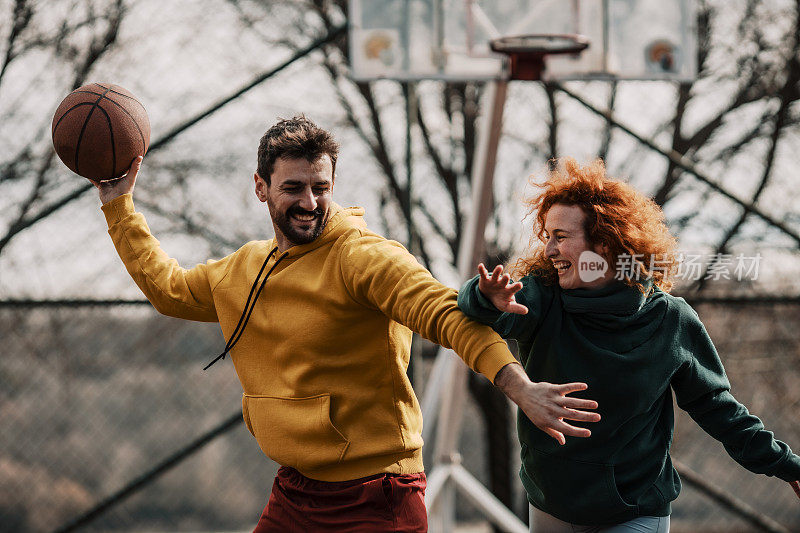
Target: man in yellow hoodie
{"points": [[319, 322]]}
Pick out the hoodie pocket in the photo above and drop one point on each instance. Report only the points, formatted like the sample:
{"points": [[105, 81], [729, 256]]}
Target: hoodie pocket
{"points": [[574, 491], [295, 432]]}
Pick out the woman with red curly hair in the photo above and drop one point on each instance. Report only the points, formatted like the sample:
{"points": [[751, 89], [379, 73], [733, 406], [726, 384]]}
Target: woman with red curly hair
{"points": [[593, 306]]}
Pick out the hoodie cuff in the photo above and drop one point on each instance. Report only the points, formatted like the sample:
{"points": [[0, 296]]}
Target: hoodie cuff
{"points": [[493, 358], [790, 469], [484, 302], [118, 208]]}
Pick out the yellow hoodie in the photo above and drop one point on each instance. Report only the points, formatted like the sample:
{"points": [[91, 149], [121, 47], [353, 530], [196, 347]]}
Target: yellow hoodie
{"points": [[323, 358]]}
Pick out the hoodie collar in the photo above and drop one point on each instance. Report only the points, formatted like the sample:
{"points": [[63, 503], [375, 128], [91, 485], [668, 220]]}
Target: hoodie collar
{"points": [[340, 220], [616, 298]]}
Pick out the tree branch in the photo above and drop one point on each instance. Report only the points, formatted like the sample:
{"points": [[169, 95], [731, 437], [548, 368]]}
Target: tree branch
{"points": [[788, 95], [602, 153], [23, 13], [449, 178], [687, 165], [678, 145]]}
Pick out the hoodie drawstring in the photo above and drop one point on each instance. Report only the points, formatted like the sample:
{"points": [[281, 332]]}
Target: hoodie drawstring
{"points": [[248, 308]]}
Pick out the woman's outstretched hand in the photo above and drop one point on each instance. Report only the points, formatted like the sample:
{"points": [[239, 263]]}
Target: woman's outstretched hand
{"points": [[499, 290]]}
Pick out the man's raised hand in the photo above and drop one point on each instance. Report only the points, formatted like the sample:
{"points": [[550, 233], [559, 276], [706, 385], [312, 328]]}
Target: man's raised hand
{"points": [[547, 405], [110, 189], [499, 290]]}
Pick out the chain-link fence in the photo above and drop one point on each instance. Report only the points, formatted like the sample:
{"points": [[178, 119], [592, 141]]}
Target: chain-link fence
{"points": [[95, 397], [760, 348]]}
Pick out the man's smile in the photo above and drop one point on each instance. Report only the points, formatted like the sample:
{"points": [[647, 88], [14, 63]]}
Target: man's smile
{"points": [[304, 217]]}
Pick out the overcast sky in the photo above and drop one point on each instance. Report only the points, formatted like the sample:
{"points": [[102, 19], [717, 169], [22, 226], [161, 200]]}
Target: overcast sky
{"points": [[178, 57]]}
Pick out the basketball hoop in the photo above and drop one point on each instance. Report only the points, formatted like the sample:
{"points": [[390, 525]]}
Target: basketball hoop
{"points": [[527, 52]]}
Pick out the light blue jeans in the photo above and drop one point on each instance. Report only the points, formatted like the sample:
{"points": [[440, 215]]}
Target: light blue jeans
{"points": [[542, 522]]}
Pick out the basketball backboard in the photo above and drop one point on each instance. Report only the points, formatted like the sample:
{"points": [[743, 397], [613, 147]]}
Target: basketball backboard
{"points": [[449, 39]]}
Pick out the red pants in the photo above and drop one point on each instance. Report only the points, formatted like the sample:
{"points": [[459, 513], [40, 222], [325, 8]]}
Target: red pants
{"points": [[374, 504]]}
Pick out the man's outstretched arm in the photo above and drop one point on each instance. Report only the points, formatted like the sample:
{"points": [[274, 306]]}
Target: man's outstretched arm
{"points": [[171, 289], [547, 405], [383, 274]]}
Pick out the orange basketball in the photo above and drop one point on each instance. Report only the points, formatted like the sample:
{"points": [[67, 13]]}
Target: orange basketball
{"points": [[99, 129]]}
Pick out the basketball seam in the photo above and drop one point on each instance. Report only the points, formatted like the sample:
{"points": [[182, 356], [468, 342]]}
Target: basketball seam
{"points": [[83, 129], [67, 112], [113, 148], [112, 91], [109, 89], [89, 92], [126, 96], [141, 133], [103, 95]]}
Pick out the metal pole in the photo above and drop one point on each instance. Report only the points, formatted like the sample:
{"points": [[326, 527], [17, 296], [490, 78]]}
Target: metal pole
{"points": [[446, 470], [485, 501], [472, 244], [728, 501], [410, 97]]}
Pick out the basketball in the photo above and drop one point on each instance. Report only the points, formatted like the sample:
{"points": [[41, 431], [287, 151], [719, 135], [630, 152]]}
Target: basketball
{"points": [[99, 129]]}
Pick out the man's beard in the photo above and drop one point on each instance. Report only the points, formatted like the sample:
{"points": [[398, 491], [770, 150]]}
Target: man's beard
{"points": [[295, 236]]}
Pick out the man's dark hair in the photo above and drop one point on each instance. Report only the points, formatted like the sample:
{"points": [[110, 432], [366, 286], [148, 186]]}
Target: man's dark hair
{"points": [[294, 138]]}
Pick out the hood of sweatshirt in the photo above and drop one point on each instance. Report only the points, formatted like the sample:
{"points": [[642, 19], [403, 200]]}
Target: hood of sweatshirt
{"points": [[602, 314], [340, 220]]}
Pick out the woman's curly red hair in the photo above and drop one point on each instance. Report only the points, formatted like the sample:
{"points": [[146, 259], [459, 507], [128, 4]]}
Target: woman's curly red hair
{"points": [[618, 216]]}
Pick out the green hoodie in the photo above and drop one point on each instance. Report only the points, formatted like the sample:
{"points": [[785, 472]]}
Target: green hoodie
{"points": [[633, 351]]}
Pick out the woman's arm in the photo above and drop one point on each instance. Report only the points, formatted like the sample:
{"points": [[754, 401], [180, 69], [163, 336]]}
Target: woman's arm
{"points": [[702, 390], [512, 309], [498, 289]]}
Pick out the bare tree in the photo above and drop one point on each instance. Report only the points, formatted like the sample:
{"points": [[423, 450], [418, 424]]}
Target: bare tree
{"points": [[58, 45], [761, 73]]}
